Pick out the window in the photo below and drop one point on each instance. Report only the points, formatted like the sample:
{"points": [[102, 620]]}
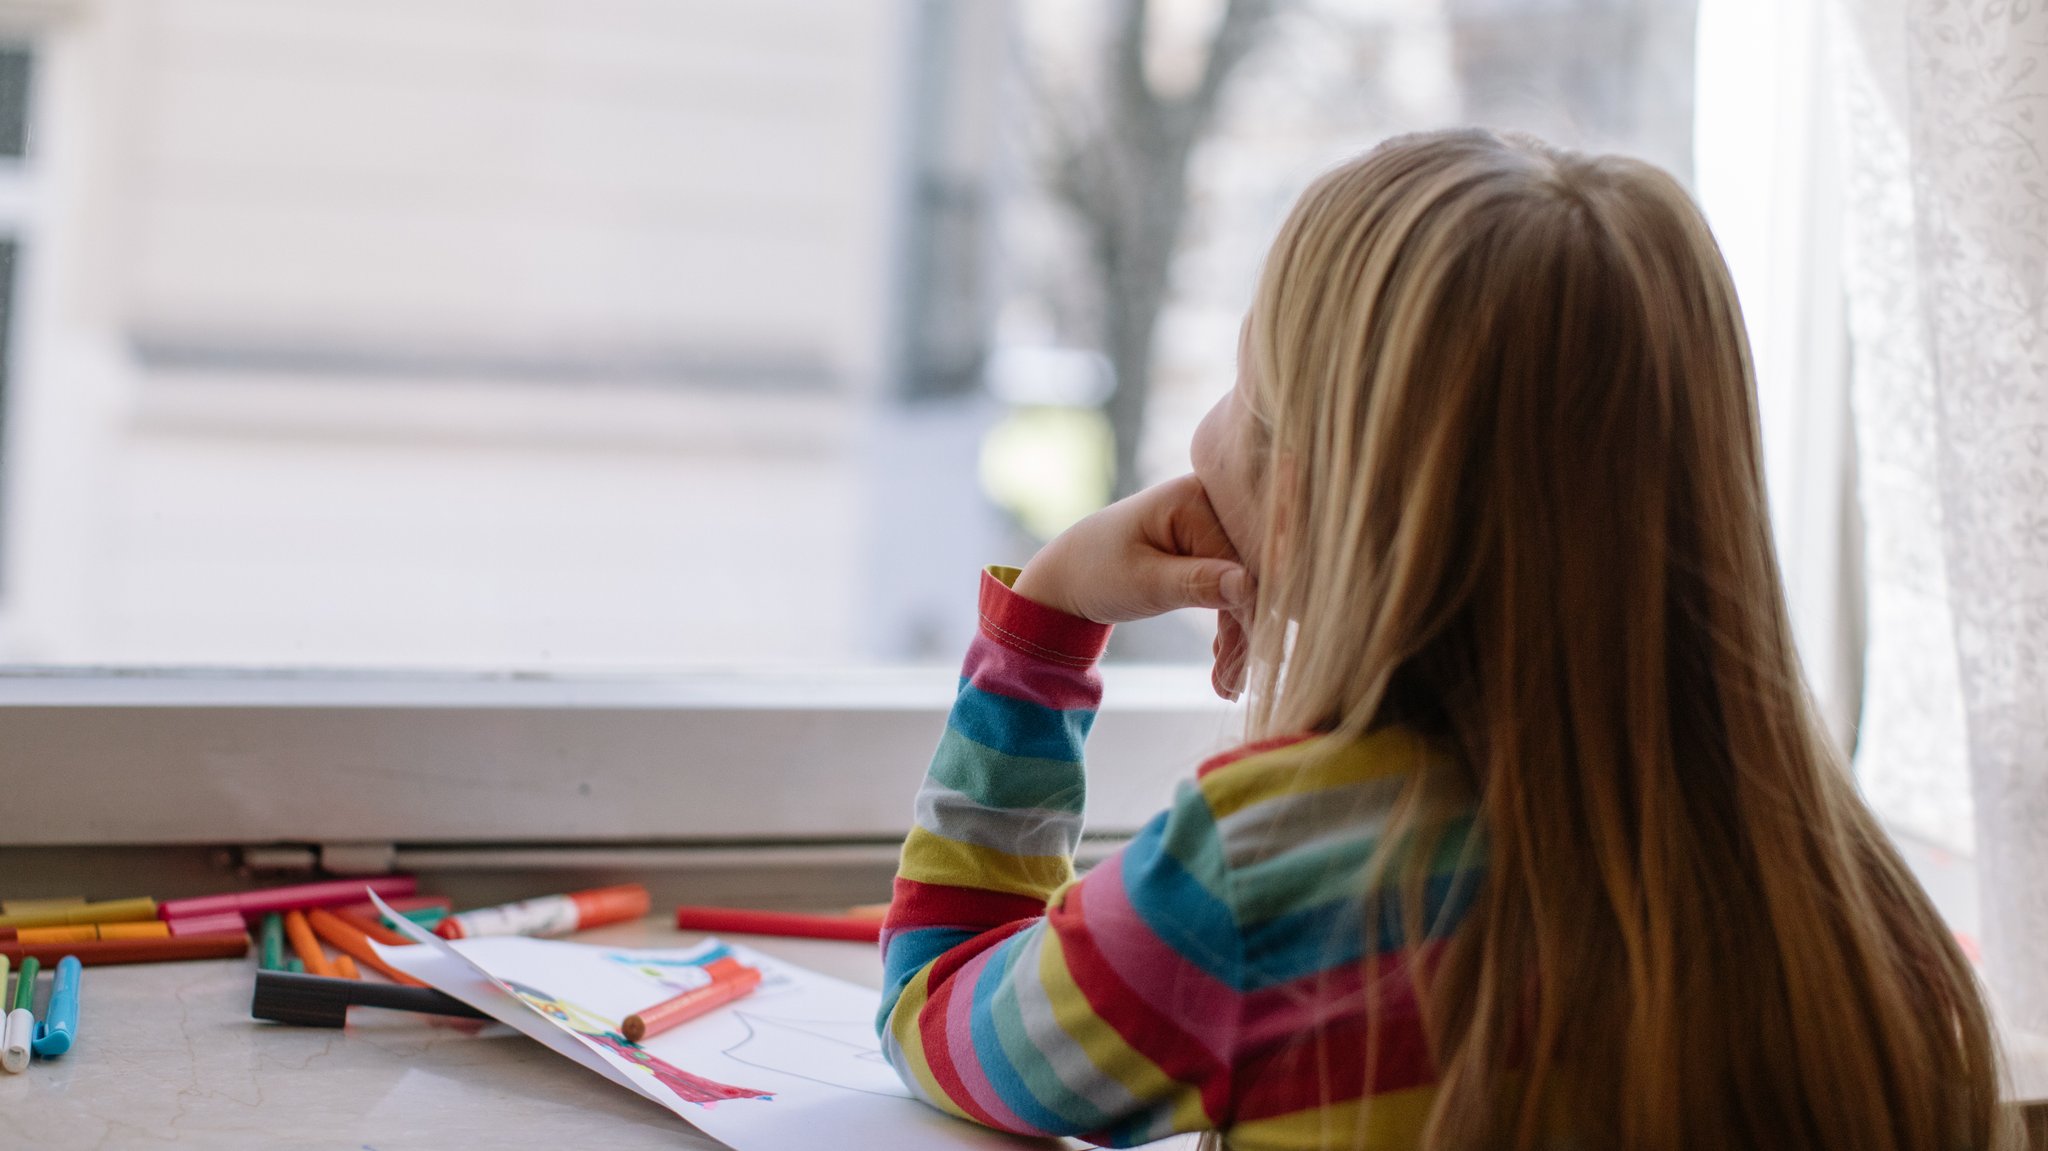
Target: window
{"points": [[15, 194], [528, 418]]}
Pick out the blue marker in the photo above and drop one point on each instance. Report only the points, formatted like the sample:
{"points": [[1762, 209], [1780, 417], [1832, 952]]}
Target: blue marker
{"points": [[60, 1018]]}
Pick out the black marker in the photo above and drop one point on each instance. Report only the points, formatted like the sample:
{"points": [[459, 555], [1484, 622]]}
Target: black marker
{"points": [[321, 1001]]}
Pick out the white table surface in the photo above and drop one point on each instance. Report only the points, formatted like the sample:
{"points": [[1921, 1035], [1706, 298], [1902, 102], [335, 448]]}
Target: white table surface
{"points": [[167, 1055]]}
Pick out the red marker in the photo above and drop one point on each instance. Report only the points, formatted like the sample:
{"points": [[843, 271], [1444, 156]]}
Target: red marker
{"points": [[252, 904], [857, 928], [729, 981], [551, 915]]}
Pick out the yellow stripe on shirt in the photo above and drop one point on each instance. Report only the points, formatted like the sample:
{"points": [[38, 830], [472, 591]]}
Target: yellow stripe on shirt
{"points": [[932, 858], [1392, 1120], [903, 1024], [1106, 1049], [1319, 765]]}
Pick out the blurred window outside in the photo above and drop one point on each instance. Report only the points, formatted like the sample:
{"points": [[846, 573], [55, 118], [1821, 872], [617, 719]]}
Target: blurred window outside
{"points": [[17, 217], [393, 336], [673, 338]]}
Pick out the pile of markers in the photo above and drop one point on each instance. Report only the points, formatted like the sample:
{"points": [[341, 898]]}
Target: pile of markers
{"points": [[311, 988], [314, 948], [138, 930], [23, 1036]]}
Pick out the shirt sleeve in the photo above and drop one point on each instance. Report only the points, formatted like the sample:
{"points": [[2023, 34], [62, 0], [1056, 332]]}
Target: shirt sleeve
{"points": [[1015, 995]]}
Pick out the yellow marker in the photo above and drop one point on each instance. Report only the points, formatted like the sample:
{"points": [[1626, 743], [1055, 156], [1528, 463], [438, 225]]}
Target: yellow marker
{"points": [[17, 906], [109, 911]]}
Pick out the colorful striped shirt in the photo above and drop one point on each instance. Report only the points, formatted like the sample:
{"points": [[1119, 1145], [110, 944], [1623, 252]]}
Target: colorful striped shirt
{"points": [[1213, 974]]}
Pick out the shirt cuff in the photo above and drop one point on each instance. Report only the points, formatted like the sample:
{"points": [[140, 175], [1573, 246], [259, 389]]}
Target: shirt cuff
{"points": [[1027, 626]]}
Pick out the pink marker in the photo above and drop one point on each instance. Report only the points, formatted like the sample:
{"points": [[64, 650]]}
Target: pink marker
{"points": [[253, 903], [207, 924]]}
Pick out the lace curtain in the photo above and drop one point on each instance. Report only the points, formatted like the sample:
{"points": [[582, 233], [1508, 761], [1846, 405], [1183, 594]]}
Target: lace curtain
{"points": [[1945, 116]]}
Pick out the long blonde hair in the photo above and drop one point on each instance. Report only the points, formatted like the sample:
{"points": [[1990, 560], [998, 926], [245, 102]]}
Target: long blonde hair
{"points": [[1516, 501]]}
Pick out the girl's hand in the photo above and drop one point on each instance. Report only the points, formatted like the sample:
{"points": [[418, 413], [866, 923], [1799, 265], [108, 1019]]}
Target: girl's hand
{"points": [[1152, 553]]}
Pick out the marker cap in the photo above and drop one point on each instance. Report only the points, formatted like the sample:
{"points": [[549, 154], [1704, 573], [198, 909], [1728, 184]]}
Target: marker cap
{"points": [[14, 1039], [60, 1019], [202, 924], [70, 933], [551, 914], [602, 905]]}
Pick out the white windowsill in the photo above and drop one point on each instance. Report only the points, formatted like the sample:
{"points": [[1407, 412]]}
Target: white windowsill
{"points": [[213, 757]]}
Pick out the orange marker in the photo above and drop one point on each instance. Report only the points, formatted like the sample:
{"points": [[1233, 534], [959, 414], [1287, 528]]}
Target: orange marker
{"points": [[343, 936], [71, 933], [727, 984], [225, 945], [368, 925], [345, 966], [157, 930], [303, 943], [86, 932], [551, 915]]}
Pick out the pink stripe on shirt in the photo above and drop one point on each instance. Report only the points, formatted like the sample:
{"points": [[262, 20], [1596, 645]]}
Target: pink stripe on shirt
{"points": [[1204, 1007], [960, 1037]]}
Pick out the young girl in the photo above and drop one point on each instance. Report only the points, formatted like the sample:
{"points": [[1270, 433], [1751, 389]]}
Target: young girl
{"points": [[1537, 842]]}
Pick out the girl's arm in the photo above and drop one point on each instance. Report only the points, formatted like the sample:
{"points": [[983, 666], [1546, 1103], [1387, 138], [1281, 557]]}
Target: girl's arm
{"points": [[1016, 996]]}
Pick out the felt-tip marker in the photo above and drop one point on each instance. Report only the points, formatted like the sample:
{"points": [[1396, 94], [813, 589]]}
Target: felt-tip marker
{"points": [[21, 1021], [551, 915], [60, 1018], [730, 980]]}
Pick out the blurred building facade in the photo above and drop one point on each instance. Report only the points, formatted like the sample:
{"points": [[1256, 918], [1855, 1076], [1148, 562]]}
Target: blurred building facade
{"points": [[450, 333], [629, 333]]}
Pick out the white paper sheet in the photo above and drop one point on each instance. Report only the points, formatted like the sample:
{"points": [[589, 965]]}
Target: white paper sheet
{"points": [[442, 968], [794, 1064]]}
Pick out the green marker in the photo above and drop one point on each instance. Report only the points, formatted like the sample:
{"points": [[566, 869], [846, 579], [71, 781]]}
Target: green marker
{"points": [[25, 984], [21, 1022], [295, 965], [271, 957], [427, 917]]}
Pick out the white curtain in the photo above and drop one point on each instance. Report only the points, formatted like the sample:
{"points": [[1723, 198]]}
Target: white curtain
{"points": [[1945, 117]]}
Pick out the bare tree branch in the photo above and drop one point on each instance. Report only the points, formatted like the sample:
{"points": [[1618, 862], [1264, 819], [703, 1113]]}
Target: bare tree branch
{"points": [[1123, 173], [1242, 29]]}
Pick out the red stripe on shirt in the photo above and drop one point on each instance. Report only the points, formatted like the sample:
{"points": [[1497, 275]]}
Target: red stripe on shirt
{"points": [[1327, 1064], [1246, 751], [914, 905], [931, 1027], [1028, 626], [1156, 1036]]}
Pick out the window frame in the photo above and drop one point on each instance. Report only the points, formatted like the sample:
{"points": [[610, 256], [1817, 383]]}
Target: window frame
{"points": [[196, 757], [502, 758]]}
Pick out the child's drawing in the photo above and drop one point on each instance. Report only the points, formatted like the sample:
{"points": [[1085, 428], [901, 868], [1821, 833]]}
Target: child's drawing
{"points": [[804, 1041], [832, 1053], [678, 973], [691, 1088]]}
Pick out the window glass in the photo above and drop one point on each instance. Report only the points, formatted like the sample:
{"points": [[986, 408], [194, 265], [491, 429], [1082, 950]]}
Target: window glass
{"points": [[14, 77], [1312, 83], [653, 335]]}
